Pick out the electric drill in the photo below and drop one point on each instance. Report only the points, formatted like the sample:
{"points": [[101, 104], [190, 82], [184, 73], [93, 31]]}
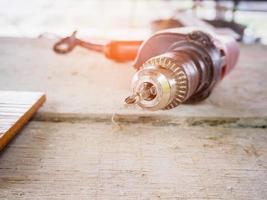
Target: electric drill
{"points": [[180, 65], [174, 66]]}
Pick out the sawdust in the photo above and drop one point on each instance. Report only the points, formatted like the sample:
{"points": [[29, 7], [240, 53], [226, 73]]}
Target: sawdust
{"points": [[117, 126]]}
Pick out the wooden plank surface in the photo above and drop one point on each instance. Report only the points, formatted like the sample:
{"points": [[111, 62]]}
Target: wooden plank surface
{"points": [[85, 83], [141, 161], [16, 108], [85, 144]]}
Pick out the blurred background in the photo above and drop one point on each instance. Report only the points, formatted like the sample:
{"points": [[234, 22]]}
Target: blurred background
{"points": [[126, 19]]}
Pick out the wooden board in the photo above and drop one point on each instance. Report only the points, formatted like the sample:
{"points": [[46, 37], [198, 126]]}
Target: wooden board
{"points": [[86, 83], [16, 108], [134, 162]]}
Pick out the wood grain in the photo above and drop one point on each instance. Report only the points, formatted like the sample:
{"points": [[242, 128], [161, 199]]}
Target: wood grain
{"points": [[75, 152], [16, 108], [134, 162]]}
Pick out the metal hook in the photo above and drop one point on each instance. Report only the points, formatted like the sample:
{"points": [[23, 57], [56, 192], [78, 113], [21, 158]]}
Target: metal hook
{"points": [[66, 44]]}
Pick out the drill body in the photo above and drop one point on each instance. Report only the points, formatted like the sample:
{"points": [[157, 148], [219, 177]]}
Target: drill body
{"points": [[180, 66]]}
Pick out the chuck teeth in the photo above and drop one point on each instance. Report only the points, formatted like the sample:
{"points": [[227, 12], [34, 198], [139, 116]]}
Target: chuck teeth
{"points": [[180, 77]]}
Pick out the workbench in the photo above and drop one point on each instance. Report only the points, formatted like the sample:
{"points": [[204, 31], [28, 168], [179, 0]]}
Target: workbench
{"points": [[84, 143]]}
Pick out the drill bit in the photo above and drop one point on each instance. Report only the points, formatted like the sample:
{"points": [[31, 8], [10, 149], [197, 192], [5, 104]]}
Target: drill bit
{"points": [[133, 99], [146, 91]]}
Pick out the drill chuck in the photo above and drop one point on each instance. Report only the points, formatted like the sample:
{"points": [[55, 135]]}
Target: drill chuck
{"points": [[178, 66]]}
